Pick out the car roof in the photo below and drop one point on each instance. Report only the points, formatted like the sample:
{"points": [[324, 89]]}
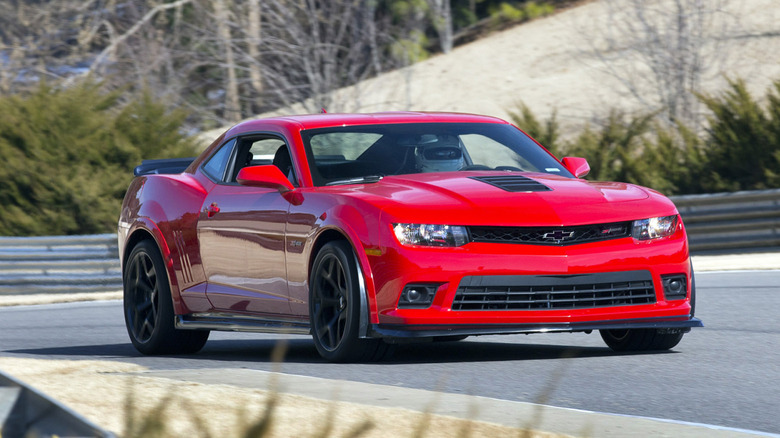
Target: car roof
{"points": [[313, 121]]}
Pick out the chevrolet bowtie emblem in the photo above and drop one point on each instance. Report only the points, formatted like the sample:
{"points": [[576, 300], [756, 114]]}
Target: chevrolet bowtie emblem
{"points": [[558, 235]]}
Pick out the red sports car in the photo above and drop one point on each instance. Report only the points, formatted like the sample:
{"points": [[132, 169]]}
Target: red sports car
{"points": [[365, 229]]}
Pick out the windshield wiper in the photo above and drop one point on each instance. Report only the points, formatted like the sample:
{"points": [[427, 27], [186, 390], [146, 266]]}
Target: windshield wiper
{"points": [[357, 180]]}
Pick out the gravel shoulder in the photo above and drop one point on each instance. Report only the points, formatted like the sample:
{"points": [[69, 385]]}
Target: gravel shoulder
{"points": [[190, 408]]}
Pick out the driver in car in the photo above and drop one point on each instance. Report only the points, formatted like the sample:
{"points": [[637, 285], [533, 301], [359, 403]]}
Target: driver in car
{"points": [[441, 155]]}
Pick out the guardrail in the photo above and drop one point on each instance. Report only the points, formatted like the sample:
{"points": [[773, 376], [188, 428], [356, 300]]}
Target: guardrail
{"points": [[729, 221], [25, 412], [722, 221], [59, 264]]}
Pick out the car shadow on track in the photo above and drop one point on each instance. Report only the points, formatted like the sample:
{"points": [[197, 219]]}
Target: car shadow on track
{"points": [[488, 351], [105, 351], [303, 351], [298, 350]]}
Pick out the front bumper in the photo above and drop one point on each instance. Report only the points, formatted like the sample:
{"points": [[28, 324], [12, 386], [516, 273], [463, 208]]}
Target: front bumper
{"points": [[424, 331], [450, 269]]}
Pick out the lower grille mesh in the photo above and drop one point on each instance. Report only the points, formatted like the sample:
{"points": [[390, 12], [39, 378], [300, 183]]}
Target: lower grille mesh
{"points": [[541, 292]]}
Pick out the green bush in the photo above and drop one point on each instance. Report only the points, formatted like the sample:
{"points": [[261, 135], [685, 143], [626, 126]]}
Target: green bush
{"points": [[743, 139], [511, 12], [740, 150], [535, 10], [546, 134], [68, 155], [616, 150]]}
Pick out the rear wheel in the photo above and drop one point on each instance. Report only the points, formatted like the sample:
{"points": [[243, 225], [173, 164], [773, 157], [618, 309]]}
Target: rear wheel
{"points": [[334, 307], [642, 339], [148, 306]]}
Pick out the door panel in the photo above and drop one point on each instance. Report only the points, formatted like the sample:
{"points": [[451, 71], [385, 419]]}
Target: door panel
{"points": [[242, 242]]}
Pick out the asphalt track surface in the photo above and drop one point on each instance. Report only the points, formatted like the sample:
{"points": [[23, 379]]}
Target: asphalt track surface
{"points": [[724, 374]]}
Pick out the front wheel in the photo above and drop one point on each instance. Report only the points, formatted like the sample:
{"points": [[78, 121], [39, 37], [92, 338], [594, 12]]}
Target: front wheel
{"points": [[642, 339], [148, 306], [334, 307]]}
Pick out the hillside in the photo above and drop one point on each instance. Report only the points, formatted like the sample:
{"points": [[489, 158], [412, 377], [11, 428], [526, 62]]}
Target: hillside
{"points": [[547, 65]]}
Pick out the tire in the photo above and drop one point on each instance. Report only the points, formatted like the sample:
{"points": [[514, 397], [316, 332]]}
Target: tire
{"points": [[148, 306], [334, 307], [642, 339]]}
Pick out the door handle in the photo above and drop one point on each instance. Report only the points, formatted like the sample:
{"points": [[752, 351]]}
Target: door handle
{"points": [[212, 209]]}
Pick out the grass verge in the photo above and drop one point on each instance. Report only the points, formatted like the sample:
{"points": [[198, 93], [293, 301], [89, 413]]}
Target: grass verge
{"points": [[118, 397]]}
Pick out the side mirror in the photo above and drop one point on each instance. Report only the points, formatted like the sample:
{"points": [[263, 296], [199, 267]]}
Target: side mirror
{"points": [[579, 167], [268, 176]]}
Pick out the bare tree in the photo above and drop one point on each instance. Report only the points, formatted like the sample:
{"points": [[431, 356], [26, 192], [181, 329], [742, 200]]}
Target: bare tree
{"points": [[39, 40], [660, 50], [442, 21], [313, 48], [222, 59], [254, 40], [232, 104]]}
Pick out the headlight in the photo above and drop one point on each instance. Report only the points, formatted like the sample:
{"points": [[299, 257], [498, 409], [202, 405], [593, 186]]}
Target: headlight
{"points": [[654, 228], [430, 235]]}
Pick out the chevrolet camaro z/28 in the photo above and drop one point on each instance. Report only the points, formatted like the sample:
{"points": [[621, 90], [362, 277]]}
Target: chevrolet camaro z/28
{"points": [[364, 230]]}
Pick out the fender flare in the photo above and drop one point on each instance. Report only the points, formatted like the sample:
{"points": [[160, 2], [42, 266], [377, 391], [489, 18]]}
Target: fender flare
{"points": [[365, 277], [145, 225]]}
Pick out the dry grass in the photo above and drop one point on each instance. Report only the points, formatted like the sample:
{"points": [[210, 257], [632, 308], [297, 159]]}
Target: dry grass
{"points": [[119, 397]]}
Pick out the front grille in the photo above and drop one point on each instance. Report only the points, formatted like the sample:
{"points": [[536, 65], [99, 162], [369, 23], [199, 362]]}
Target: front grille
{"points": [[513, 183], [551, 292], [551, 235]]}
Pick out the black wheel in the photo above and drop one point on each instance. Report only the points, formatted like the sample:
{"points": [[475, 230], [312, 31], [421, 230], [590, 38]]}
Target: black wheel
{"points": [[642, 339], [334, 307], [149, 308]]}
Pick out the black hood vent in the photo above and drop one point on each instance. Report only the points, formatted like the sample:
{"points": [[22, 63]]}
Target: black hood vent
{"points": [[513, 183]]}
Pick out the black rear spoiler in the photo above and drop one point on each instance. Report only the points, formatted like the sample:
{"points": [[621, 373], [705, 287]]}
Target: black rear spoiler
{"points": [[166, 165]]}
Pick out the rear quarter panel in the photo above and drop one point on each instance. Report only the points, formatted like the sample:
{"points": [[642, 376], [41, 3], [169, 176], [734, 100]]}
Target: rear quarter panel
{"points": [[166, 208]]}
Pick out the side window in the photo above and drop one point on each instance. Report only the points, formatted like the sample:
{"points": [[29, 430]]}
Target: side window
{"points": [[263, 150], [257, 151], [216, 166]]}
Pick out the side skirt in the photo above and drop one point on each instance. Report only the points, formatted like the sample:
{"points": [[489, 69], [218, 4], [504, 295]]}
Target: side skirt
{"points": [[241, 323]]}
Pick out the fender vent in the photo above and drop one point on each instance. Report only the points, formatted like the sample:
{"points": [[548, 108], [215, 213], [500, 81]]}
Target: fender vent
{"points": [[513, 183]]}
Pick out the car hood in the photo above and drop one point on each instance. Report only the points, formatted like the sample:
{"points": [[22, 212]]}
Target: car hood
{"points": [[511, 198]]}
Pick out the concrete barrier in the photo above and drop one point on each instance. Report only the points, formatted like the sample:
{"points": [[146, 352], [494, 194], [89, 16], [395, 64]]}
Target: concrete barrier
{"points": [[25, 412]]}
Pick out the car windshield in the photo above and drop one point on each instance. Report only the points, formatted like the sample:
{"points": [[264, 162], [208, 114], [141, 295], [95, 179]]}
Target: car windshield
{"points": [[354, 154]]}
